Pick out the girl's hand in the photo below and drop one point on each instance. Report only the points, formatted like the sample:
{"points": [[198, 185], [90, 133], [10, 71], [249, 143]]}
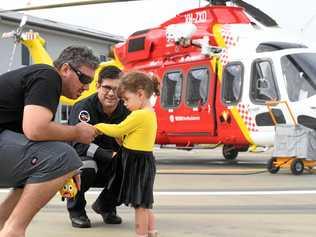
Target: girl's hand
{"points": [[98, 132]]}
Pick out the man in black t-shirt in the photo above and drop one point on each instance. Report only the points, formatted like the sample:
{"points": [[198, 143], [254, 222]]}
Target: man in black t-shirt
{"points": [[35, 158], [101, 107]]}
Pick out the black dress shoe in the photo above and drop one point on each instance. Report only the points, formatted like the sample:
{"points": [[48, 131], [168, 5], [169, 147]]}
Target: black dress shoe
{"points": [[108, 217], [111, 218], [80, 222]]}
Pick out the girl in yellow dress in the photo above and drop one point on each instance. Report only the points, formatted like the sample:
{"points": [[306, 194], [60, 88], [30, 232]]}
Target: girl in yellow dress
{"points": [[138, 132]]}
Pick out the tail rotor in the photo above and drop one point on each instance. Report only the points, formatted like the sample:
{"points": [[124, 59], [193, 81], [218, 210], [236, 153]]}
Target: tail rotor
{"points": [[17, 36]]}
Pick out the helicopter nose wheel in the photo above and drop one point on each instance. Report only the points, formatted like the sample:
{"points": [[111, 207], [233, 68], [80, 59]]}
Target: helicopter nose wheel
{"points": [[230, 152]]}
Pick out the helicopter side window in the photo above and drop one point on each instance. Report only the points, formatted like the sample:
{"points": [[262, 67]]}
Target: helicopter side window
{"points": [[232, 83], [299, 74], [171, 89], [198, 87], [263, 86]]}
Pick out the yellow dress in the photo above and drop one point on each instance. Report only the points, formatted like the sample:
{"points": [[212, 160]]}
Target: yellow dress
{"points": [[136, 158]]}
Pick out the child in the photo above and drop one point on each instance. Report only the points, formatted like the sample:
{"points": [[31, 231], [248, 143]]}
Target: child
{"points": [[138, 131]]}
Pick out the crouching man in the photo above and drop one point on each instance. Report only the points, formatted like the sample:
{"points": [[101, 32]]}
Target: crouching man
{"points": [[35, 158], [102, 107]]}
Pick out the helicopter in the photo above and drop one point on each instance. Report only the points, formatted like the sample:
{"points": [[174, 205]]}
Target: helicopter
{"points": [[219, 66]]}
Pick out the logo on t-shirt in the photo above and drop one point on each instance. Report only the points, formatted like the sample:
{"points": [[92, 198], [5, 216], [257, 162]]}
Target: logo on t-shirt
{"points": [[84, 116], [34, 160]]}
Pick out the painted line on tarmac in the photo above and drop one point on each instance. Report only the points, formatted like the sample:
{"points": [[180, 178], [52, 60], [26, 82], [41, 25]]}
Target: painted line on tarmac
{"points": [[216, 193], [215, 170], [228, 193], [236, 193]]}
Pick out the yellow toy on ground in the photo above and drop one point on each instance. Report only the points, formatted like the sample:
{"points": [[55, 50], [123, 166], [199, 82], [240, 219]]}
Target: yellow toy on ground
{"points": [[69, 190]]}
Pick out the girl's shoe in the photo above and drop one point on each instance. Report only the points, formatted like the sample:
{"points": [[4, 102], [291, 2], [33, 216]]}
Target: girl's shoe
{"points": [[153, 234]]}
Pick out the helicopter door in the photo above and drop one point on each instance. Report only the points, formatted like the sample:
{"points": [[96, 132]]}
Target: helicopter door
{"points": [[186, 97], [263, 88], [232, 83]]}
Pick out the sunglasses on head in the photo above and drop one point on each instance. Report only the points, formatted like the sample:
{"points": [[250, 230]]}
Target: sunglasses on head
{"points": [[84, 79]]}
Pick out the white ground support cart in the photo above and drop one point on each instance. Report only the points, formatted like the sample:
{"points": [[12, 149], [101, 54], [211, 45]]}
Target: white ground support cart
{"points": [[294, 146]]}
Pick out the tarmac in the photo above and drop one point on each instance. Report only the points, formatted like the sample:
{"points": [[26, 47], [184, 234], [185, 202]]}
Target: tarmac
{"points": [[227, 198]]}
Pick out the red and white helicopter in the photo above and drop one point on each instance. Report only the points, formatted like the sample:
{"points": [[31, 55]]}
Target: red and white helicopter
{"points": [[219, 65]]}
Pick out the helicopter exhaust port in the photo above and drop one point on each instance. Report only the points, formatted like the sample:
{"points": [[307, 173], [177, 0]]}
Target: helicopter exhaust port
{"points": [[181, 34]]}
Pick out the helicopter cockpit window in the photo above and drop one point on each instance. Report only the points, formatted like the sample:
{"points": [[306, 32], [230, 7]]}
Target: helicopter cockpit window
{"points": [[198, 87], [232, 83], [171, 89], [300, 75], [263, 86]]}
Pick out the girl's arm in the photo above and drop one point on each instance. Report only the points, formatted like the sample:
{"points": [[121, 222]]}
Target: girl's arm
{"points": [[128, 125]]}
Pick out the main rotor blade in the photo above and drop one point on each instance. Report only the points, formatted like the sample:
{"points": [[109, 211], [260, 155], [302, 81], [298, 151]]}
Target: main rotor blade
{"points": [[256, 13], [70, 4]]}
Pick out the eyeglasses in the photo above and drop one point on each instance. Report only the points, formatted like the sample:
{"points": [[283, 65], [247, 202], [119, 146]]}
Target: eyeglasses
{"points": [[107, 89], [84, 79]]}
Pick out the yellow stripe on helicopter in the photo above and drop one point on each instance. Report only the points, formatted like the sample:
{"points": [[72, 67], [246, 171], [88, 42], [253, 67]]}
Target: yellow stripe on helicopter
{"points": [[217, 31]]}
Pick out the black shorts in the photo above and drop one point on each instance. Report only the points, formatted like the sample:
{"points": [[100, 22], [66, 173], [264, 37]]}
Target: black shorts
{"points": [[23, 161]]}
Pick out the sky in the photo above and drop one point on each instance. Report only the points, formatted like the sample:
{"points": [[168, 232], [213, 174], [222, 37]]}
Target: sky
{"points": [[125, 18]]}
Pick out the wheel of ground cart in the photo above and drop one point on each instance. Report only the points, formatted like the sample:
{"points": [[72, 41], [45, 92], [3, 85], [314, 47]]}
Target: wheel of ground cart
{"points": [[272, 168], [297, 166], [230, 152]]}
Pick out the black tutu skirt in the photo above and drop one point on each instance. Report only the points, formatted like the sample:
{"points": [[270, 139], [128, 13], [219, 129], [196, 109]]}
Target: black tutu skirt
{"points": [[133, 178]]}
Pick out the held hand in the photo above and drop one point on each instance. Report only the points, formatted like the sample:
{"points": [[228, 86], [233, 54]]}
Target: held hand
{"points": [[99, 132], [86, 132]]}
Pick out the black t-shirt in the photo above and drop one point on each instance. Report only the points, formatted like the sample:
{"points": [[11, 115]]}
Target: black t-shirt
{"points": [[38, 84], [90, 110]]}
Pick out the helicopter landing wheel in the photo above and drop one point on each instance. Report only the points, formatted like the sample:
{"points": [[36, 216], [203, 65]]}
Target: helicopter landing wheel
{"points": [[272, 168], [297, 166], [230, 152]]}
